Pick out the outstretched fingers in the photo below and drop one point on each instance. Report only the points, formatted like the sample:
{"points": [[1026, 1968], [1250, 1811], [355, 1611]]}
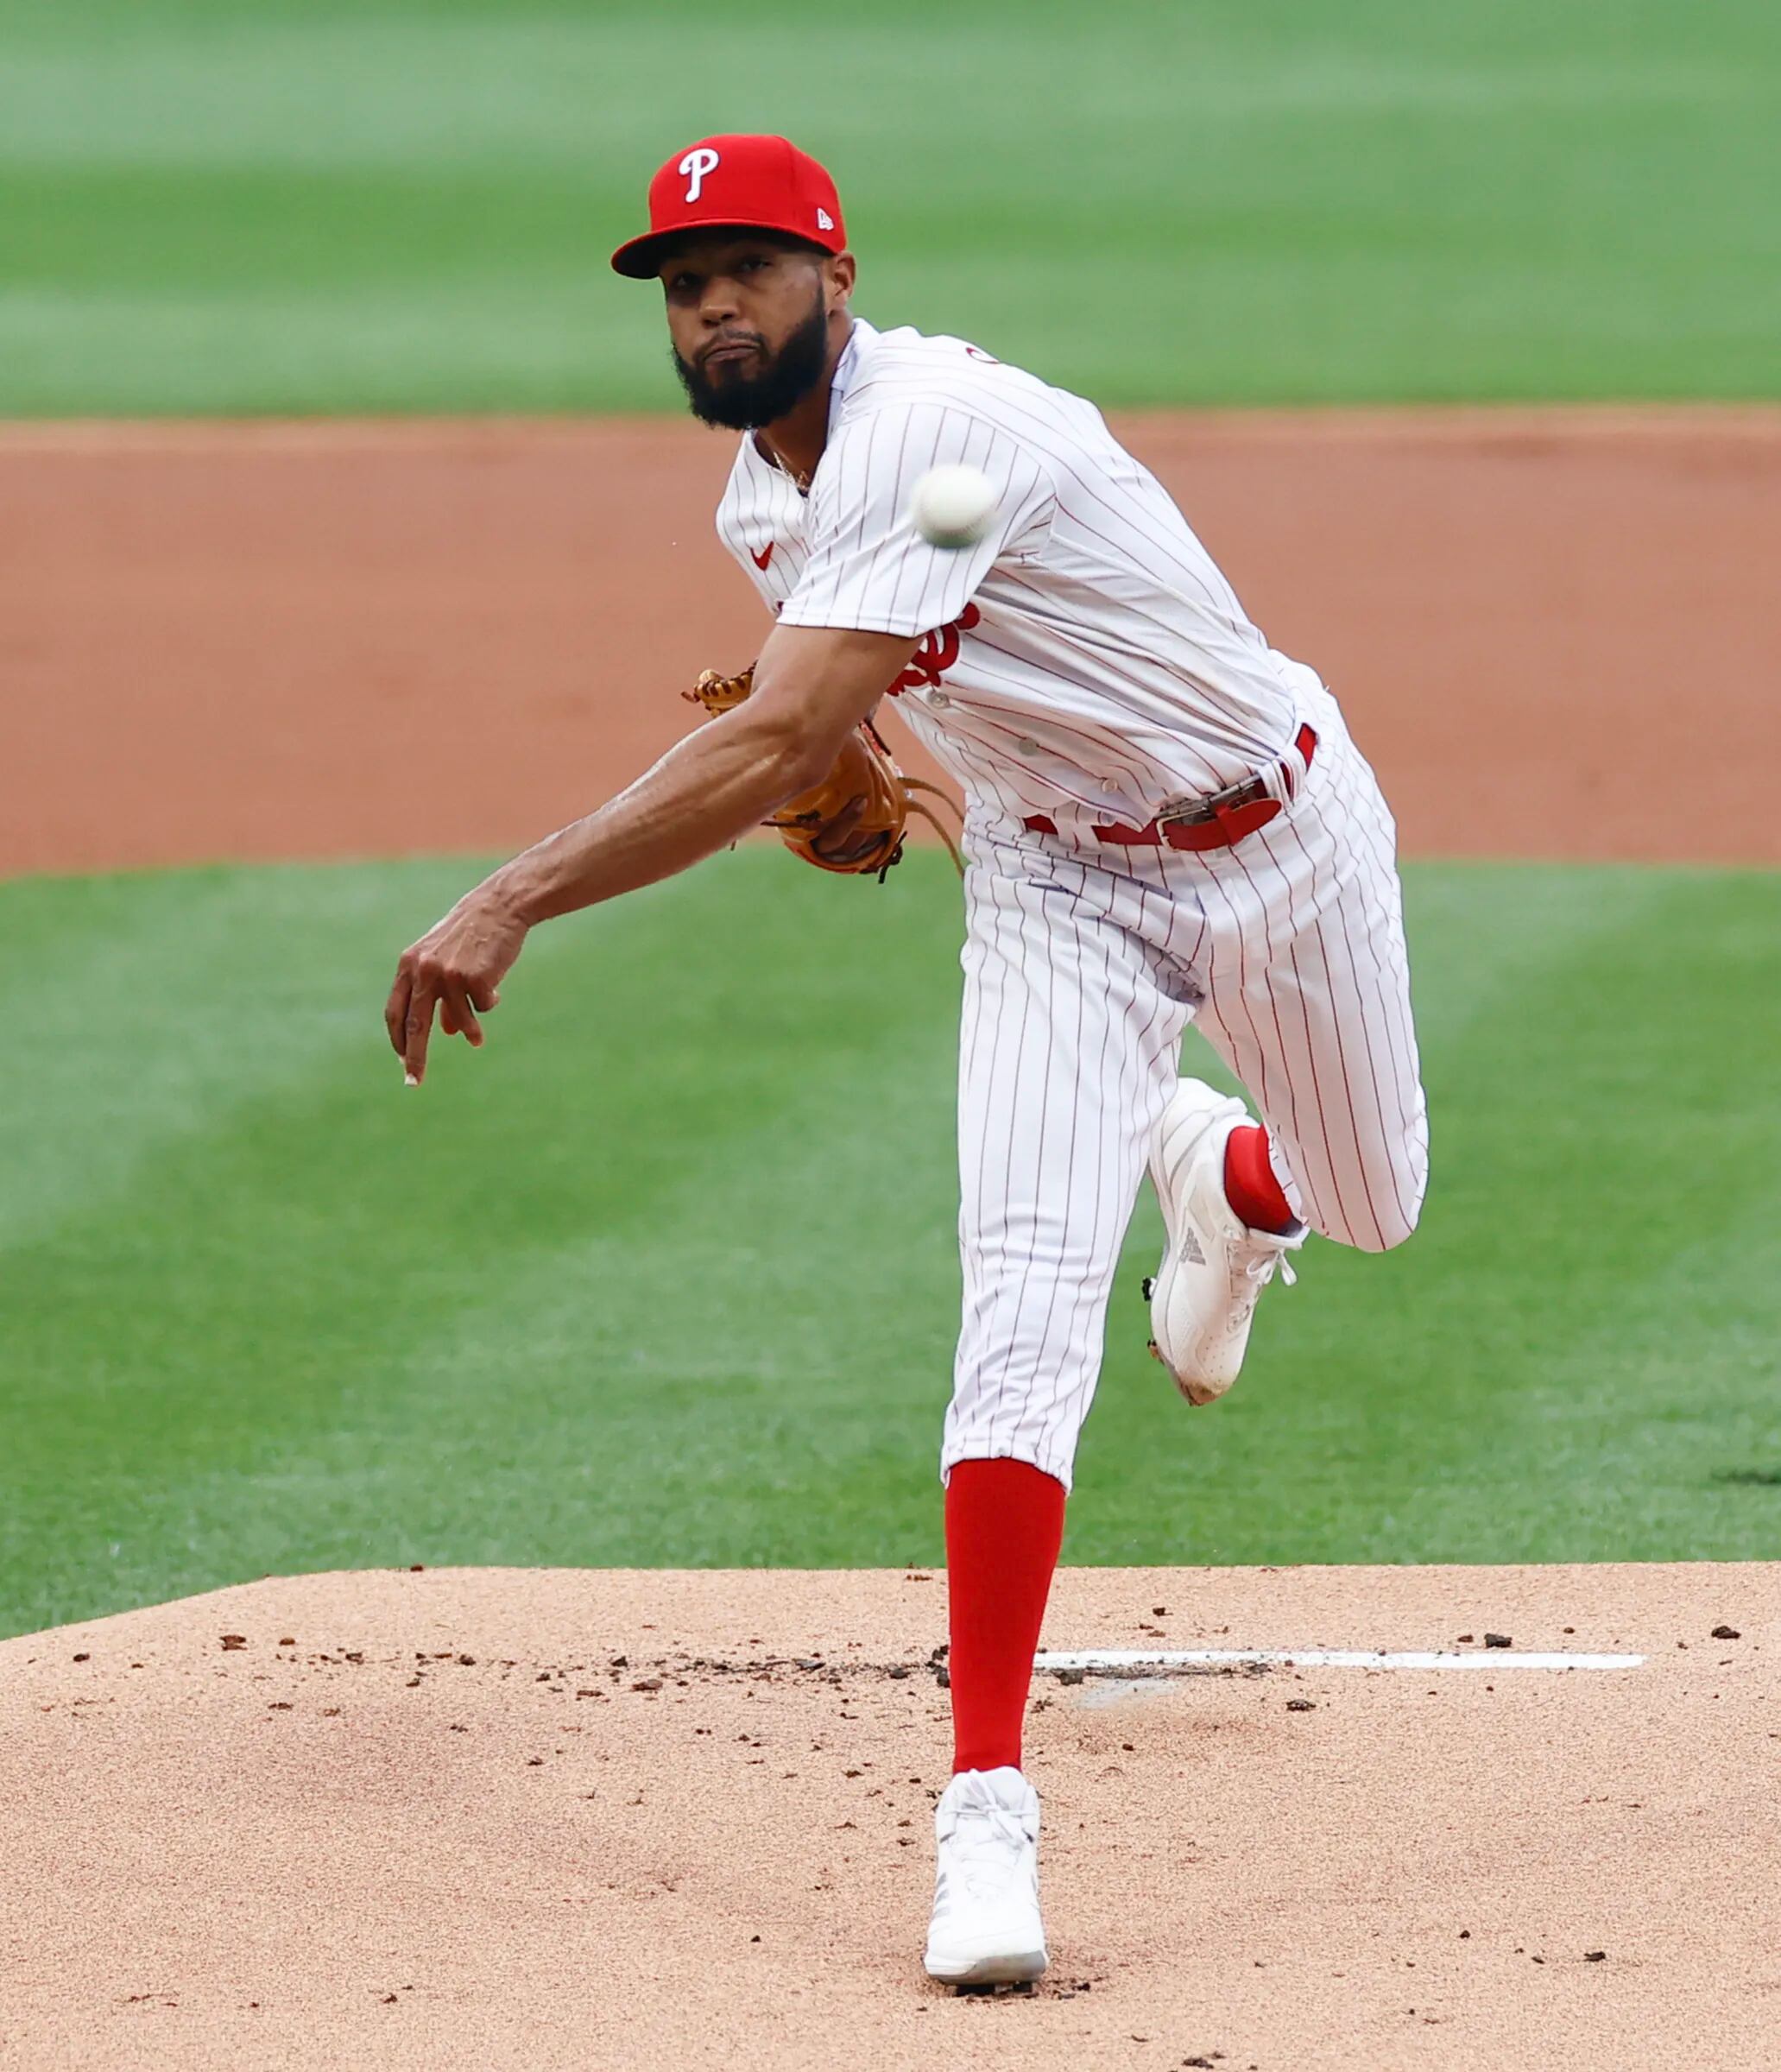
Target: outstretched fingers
{"points": [[422, 984]]}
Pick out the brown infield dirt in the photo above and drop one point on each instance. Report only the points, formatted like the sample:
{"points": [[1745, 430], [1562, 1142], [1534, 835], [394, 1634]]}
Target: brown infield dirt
{"points": [[1555, 632], [542, 1819]]}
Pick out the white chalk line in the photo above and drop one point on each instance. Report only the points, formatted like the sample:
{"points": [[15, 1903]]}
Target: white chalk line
{"points": [[1320, 1658]]}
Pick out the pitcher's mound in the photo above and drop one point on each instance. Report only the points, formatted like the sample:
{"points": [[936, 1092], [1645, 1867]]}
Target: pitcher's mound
{"points": [[538, 1819]]}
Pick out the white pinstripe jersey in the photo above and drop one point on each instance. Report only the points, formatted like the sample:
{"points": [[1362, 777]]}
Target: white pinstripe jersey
{"points": [[1085, 659]]}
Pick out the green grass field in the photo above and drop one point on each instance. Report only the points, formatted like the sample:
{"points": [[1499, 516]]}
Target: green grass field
{"points": [[667, 1274], [249, 205]]}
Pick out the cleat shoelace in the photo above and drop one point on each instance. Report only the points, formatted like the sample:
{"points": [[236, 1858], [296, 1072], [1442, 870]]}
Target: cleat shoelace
{"points": [[1255, 1273], [985, 1850]]}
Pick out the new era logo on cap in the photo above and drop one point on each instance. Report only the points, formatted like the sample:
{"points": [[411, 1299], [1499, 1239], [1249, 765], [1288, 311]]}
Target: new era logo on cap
{"points": [[742, 183]]}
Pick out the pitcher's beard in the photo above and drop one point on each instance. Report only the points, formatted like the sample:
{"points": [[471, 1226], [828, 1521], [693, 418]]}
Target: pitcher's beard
{"points": [[744, 401]]}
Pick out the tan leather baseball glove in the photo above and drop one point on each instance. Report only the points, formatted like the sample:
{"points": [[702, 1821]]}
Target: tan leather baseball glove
{"points": [[853, 821]]}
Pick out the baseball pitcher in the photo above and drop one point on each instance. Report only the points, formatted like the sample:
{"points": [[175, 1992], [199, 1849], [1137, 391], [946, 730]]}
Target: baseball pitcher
{"points": [[1165, 821]]}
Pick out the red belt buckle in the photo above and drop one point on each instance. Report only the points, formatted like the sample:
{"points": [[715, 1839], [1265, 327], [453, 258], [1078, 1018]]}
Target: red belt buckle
{"points": [[1228, 825]]}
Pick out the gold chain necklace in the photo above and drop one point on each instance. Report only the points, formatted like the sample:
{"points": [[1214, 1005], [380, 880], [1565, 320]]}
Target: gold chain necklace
{"points": [[800, 482]]}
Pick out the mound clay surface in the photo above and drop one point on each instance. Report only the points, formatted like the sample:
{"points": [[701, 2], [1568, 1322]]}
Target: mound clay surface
{"points": [[537, 1819]]}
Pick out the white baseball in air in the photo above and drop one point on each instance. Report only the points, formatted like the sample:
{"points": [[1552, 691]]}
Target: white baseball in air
{"points": [[953, 506]]}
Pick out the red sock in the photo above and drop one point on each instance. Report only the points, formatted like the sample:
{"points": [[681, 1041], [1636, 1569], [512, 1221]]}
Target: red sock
{"points": [[1004, 1526], [1249, 1184]]}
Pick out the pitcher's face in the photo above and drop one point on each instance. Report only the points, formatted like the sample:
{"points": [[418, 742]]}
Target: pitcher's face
{"points": [[749, 323]]}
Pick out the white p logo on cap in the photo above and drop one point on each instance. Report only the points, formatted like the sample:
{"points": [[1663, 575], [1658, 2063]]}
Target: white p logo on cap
{"points": [[696, 165]]}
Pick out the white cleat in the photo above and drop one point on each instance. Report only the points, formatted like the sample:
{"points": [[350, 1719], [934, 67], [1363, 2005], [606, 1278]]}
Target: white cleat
{"points": [[986, 1929], [1203, 1298]]}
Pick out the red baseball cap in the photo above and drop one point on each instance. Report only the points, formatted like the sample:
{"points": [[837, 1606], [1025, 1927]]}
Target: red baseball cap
{"points": [[742, 183]]}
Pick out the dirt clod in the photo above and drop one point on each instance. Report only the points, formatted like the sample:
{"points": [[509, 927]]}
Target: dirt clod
{"points": [[1720, 1632], [1498, 1640]]}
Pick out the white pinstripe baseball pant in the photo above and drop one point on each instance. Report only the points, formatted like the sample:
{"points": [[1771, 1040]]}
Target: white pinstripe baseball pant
{"points": [[1084, 964]]}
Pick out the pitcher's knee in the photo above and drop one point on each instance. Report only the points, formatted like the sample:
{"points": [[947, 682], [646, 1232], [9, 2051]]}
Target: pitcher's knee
{"points": [[1388, 1234], [1373, 1225]]}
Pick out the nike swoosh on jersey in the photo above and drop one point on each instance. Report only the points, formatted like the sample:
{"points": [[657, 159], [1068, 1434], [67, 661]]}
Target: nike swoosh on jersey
{"points": [[762, 560]]}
